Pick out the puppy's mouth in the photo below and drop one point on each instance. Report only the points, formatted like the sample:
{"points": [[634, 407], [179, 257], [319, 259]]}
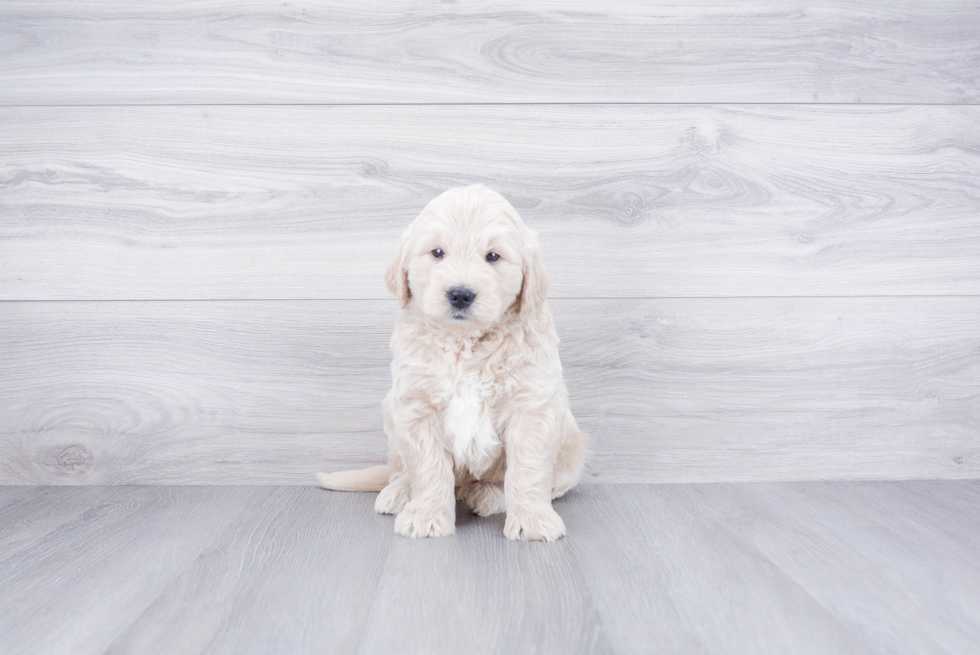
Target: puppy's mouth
{"points": [[459, 314]]}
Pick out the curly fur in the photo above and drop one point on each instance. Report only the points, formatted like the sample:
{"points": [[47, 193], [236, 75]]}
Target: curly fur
{"points": [[477, 409]]}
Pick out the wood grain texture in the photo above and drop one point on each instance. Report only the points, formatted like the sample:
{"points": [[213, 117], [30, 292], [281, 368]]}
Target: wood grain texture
{"points": [[680, 579], [671, 389], [888, 521], [721, 568], [308, 202], [813, 567], [104, 568], [218, 51]]}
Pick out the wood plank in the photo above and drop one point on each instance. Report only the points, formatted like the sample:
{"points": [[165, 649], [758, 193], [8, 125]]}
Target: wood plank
{"points": [[259, 51], [670, 389], [297, 573], [308, 202], [787, 567], [217, 387], [29, 514], [672, 578], [78, 588], [777, 389], [476, 592], [720, 568], [872, 548]]}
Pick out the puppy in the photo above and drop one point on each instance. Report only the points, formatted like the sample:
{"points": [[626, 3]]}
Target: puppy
{"points": [[477, 404]]}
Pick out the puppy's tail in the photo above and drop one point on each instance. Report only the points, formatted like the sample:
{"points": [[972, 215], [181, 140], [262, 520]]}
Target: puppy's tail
{"points": [[374, 478]]}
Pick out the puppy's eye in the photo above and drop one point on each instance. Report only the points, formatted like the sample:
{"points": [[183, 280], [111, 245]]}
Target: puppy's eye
{"points": [[438, 253], [492, 257]]}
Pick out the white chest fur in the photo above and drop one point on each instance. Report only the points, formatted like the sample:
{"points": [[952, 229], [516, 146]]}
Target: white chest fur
{"points": [[469, 427]]}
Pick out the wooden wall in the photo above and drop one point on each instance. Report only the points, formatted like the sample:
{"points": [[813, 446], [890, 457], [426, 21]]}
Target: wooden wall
{"points": [[761, 221]]}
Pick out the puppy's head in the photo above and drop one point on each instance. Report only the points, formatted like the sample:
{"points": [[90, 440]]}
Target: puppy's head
{"points": [[467, 259]]}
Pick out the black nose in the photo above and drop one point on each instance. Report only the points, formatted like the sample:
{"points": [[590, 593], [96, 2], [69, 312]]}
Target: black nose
{"points": [[461, 297]]}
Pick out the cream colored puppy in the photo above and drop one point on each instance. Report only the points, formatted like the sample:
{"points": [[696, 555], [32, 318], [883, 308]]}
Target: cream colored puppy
{"points": [[478, 409]]}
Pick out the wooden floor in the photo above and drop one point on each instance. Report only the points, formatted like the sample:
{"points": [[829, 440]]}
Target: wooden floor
{"points": [[831, 567]]}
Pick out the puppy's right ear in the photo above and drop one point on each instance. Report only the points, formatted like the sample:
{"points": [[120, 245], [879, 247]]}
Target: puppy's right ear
{"points": [[396, 278]]}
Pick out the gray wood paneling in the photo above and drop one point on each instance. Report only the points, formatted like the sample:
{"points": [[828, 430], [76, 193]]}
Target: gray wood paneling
{"points": [[223, 51], [203, 197], [671, 389], [630, 201], [721, 568]]}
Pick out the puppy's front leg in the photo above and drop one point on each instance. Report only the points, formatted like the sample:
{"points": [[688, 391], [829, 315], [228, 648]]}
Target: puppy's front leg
{"points": [[432, 510], [531, 449]]}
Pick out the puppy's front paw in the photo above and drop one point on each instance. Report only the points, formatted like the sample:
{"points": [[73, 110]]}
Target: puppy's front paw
{"points": [[484, 498], [393, 498], [419, 522], [539, 524]]}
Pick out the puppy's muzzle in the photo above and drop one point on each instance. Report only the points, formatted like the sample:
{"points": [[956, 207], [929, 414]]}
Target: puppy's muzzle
{"points": [[460, 297]]}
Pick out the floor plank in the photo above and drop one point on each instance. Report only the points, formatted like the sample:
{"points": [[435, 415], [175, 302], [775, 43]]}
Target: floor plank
{"points": [[870, 551], [673, 579], [260, 51], [629, 201], [520, 598], [680, 390], [29, 514], [97, 574], [720, 568], [297, 574]]}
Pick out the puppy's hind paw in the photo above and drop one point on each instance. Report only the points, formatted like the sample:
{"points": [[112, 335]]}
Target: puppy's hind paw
{"points": [[421, 522], [540, 524], [483, 498], [393, 498]]}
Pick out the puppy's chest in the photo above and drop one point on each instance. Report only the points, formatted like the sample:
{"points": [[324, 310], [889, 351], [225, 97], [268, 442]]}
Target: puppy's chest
{"points": [[468, 421], [466, 398]]}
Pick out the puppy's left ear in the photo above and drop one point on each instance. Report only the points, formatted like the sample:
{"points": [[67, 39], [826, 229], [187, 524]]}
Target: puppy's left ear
{"points": [[534, 290], [396, 279]]}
